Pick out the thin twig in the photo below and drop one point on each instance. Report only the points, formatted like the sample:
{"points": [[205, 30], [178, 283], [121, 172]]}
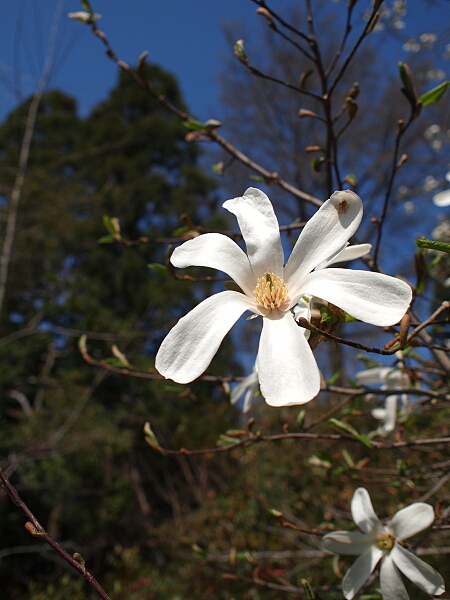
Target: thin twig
{"points": [[36, 530]]}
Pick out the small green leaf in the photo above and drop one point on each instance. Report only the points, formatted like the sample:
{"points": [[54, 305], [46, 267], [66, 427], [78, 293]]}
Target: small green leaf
{"points": [[239, 51], [82, 344], [194, 125], [364, 440], [274, 512], [308, 590], [157, 267], [345, 427], [300, 419], [181, 231], [435, 94], [86, 5], [407, 80], [226, 441], [112, 225], [257, 178], [316, 163], [150, 436], [107, 239], [433, 245], [115, 362]]}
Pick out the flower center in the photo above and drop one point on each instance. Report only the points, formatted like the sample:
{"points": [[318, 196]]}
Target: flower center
{"points": [[385, 541], [270, 291]]}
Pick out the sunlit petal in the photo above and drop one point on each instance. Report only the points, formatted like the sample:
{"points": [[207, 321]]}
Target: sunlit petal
{"points": [[418, 571], [260, 231], [324, 234], [219, 252], [370, 297], [190, 346], [363, 513], [411, 520], [392, 586], [288, 372]]}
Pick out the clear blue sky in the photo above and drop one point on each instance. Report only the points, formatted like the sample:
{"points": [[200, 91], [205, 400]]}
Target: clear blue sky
{"points": [[182, 36]]}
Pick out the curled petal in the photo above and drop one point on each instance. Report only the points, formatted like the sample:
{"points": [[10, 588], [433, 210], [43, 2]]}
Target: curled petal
{"points": [[387, 414], [260, 231], [360, 571], [418, 571], [247, 388], [219, 252], [363, 513], [346, 542], [411, 520], [288, 372], [190, 346], [370, 297], [325, 234], [392, 586]]}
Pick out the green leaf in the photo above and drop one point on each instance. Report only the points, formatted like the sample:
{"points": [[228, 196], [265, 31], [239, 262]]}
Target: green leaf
{"points": [[257, 178], [157, 267], [115, 362], [364, 440], [150, 436], [316, 163], [107, 239], [86, 5], [345, 427], [300, 419], [112, 225], [435, 94], [407, 80], [194, 125], [433, 245]]}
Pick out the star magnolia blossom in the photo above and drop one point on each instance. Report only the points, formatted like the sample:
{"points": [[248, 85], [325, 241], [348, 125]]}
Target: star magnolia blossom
{"points": [[390, 379], [287, 370], [381, 542], [249, 386]]}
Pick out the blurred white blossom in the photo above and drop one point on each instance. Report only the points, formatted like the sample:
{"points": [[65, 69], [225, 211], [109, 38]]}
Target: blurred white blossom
{"points": [[384, 543]]}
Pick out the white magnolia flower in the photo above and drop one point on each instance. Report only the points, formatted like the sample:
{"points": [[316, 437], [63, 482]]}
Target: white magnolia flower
{"points": [[381, 542], [287, 370], [389, 378], [250, 385]]}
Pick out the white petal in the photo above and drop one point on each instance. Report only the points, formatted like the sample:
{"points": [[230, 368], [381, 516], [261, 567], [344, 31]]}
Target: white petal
{"points": [[442, 198], [346, 542], [190, 346], [260, 230], [247, 387], [391, 414], [324, 234], [352, 252], [392, 586], [397, 379], [360, 571], [363, 513], [411, 520], [219, 252], [287, 369], [418, 571], [348, 253], [370, 297], [373, 376]]}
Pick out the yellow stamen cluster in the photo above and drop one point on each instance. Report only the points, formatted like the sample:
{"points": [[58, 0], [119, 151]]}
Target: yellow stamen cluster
{"points": [[270, 291], [385, 541]]}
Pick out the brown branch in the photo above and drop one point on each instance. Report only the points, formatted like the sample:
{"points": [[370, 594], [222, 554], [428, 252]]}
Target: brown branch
{"points": [[36, 530]]}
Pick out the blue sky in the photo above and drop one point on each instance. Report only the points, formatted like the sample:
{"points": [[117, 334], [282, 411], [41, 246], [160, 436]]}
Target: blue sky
{"points": [[182, 36]]}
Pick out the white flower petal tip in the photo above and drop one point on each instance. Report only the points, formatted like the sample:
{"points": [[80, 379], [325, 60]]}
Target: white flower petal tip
{"points": [[346, 203], [381, 542], [287, 370], [442, 199]]}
